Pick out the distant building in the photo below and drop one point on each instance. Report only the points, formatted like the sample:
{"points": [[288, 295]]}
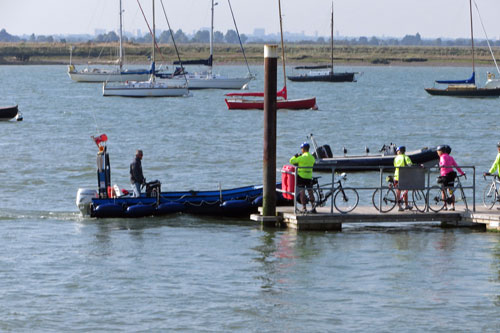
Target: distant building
{"points": [[259, 32]]}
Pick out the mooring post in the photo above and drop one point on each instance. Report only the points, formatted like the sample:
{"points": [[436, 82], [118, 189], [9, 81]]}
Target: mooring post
{"points": [[269, 160]]}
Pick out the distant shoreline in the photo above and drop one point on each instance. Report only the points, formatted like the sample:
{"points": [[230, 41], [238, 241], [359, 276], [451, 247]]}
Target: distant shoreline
{"points": [[230, 54]]}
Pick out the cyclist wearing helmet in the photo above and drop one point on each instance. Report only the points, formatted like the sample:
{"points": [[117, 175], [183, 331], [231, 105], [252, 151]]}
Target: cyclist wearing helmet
{"points": [[401, 160], [447, 178], [305, 161], [495, 168]]}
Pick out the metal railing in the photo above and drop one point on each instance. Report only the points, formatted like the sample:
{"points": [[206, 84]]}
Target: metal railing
{"points": [[427, 187]]}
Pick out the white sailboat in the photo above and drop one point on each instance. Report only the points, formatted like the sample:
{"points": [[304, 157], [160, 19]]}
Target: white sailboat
{"points": [[207, 79], [149, 88], [468, 87], [110, 75]]}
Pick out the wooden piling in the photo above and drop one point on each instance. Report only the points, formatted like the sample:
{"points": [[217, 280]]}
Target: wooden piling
{"points": [[269, 158]]}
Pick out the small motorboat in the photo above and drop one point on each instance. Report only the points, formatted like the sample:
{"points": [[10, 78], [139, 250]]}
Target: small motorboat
{"points": [[10, 112], [325, 160], [110, 202]]}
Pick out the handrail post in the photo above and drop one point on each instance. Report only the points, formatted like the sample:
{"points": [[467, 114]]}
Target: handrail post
{"points": [[381, 194], [295, 190], [474, 189], [333, 187], [428, 189]]}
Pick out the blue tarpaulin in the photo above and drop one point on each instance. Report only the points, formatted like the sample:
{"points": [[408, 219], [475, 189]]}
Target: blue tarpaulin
{"points": [[471, 80]]}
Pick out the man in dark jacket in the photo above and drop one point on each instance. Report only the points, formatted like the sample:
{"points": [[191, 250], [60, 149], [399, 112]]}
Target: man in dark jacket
{"points": [[136, 176]]}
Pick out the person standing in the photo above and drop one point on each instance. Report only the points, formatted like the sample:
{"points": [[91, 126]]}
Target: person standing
{"points": [[447, 178], [495, 167], [136, 176], [305, 162], [401, 160]]}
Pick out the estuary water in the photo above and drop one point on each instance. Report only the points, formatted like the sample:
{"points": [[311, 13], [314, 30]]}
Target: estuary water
{"points": [[62, 272]]}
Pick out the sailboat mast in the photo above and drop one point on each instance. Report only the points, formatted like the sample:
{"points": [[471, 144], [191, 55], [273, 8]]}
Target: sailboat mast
{"points": [[472, 37], [212, 37], [154, 42], [331, 23], [121, 37], [282, 45]]}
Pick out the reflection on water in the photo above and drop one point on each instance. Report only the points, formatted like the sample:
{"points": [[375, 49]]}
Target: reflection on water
{"points": [[190, 273]]}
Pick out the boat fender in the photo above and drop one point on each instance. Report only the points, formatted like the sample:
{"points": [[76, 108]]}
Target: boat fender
{"points": [[169, 208], [140, 210], [236, 205], [288, 180], [258, 201], [108, 210]]}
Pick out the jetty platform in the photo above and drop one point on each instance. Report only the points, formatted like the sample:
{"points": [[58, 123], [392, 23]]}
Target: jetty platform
{"points": [[324, 220]]}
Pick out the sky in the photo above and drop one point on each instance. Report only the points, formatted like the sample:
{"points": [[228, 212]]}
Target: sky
{"points": [[353, 18]]}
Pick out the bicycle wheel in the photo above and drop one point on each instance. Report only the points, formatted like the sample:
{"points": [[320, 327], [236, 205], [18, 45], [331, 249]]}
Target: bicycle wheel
{"points": [[419, 200], [388, 199], [489, 196], [463, 197], [435, 199], [346, 199], [310, 204], [318, 198]]}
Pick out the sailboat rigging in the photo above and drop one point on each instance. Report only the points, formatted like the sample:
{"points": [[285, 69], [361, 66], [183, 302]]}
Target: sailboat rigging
{"points": [[100, 74], [209, 80], [241, 101], [325, 76], [467, 87], [150, 88]]}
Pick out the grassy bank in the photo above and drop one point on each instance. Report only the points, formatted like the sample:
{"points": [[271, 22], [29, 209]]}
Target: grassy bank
{"points": [[57, 53]]}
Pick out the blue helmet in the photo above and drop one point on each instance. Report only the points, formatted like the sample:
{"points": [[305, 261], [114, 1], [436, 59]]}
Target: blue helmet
{"points": [[401, 149], [304, 145]]}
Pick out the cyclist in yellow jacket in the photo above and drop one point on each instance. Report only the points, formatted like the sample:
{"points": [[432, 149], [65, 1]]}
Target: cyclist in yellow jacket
{"points": [[495, 167], [304, 161], [401, 160]]}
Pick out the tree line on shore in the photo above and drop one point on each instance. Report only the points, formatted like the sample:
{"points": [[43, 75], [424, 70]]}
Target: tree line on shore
{"points": [[231, 37]]}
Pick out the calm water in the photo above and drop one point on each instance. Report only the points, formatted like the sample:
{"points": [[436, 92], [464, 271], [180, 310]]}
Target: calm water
{"points": [[62, 272]]}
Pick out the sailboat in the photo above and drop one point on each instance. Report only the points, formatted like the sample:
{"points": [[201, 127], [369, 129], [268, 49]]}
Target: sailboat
{"points": [[467, 88], [325, 76], [150, 88], [101, 75], [207, 79], [244, 101]]}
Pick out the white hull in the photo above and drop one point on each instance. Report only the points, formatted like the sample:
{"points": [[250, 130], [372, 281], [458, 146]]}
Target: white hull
{"points": [[492, 83], [144, 89], [212, 81], [111, 76]]}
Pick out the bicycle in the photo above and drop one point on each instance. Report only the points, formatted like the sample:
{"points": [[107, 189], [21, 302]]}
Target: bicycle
{"points": [[490, 193], [435, 195], [345, 199], [389, 198]]}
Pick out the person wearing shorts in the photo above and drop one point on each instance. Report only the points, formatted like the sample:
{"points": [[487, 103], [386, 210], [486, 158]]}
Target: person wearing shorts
{"points": [[448, 175], [305, 162], [401, 160]]}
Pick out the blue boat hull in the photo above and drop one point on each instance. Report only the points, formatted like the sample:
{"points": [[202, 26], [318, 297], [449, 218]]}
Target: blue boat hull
{"points": [[241, 201]]}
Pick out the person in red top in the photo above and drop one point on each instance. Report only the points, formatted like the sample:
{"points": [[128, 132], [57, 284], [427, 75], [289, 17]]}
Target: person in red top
{"points": [[447, 178]]}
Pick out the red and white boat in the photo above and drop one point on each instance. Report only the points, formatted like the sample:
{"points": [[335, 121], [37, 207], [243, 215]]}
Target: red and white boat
{"points": [[244, 101]]}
